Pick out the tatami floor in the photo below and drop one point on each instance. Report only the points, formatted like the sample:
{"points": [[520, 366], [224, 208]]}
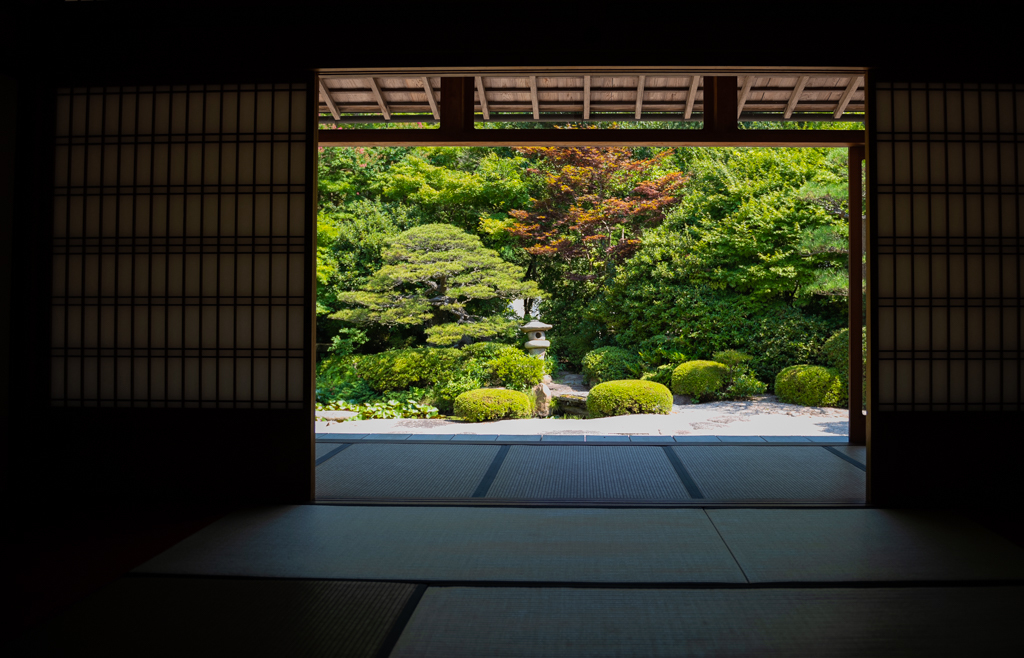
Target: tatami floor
{"points": [[450, 575], [590, 469]]}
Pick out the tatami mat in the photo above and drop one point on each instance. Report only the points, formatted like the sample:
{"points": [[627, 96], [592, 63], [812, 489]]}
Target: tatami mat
{"points": [[587, 472], [787, 545], [179, 616], [323, 449], [772, 473], [376, 470], [458, 543], [563, 623], [859, 453]]}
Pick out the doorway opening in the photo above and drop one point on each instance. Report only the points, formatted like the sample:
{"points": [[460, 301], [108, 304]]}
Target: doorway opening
{"points": [[643, 283]]}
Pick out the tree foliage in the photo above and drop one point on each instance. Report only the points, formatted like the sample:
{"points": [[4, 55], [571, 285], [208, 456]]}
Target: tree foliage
{"points": [[439, 277]]}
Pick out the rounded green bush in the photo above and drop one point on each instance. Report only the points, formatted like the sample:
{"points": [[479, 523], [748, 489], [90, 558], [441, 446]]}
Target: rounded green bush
{"points": [[628, 396], [492, 404], [810, 386], [699, 379], [608, 364]]}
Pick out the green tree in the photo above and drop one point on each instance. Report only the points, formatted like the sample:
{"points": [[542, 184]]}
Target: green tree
{"points": [[443, 279]]}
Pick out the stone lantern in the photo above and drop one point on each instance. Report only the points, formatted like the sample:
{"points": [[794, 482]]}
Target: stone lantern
{"points": [[537, 345]]}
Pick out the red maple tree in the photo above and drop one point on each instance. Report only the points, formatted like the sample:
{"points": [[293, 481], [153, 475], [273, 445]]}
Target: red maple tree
{"points": [[598, 201]]}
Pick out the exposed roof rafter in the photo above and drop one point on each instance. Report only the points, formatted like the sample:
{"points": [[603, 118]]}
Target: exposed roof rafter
{"points": [[691, 95], [794, 98], [325, 94], [482, 93], [640, 96], [855, 82], [586, 98], [430, 98], [380, 99], [748, 82], [533, 97]]}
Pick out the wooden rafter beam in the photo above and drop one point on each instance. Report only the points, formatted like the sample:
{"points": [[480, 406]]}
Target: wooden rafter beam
{"points": [[609, 137], [748, 82], [691, 95], [640, 95], [325, 93], [855, 82], [380, 99], [533, 97], [586, 98], [482, 93], [429, 91], [794, 98]]}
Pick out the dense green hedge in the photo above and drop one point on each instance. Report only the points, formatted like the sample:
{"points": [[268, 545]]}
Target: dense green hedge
{"points": [[609, 363], [811, 386], [492, 404], [699, 379], [396, 370], [628, 396]]}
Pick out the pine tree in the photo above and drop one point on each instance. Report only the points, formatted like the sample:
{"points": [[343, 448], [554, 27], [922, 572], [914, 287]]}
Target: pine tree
{"points": [[443, 278]]}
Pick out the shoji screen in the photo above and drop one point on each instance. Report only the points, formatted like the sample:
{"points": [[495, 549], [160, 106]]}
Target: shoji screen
{"points": [[947, 232], [179, 247]]}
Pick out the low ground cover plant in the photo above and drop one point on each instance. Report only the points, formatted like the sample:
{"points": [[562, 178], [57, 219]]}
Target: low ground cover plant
{"points": [[628, 396], [492, 404]]}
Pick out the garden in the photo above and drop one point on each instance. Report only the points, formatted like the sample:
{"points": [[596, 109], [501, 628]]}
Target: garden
{"points": [[711, 273]]}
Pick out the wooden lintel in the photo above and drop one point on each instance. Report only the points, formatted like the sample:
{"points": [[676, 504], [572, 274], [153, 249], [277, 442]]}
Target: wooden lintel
{"points": [[609, 137], [325, 92], [794, 98], [481, 92], [855, 82], [380, 99], [741, 100], [430, 98], [640, 96], [691, 96], [586, 98], [533, 97]]}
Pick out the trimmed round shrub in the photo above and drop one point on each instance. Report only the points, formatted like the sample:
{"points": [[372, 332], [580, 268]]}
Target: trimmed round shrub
{"points": [[628, 396], [492, 404], [699, 379], [811, 386], [609, 363]]}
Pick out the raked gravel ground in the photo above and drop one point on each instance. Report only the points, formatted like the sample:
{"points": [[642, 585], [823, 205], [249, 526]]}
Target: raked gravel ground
{"points": [[762, 416]]}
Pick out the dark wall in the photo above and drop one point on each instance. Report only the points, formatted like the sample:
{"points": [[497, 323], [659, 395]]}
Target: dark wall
{"points": [[168, 455]]}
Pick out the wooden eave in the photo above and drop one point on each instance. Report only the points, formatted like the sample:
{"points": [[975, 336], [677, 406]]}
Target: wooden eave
{"points": [[720, 102]]}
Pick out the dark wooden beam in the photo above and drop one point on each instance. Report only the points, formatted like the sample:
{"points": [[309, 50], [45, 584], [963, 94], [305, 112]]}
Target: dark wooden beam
{"points": [[610, 137]]}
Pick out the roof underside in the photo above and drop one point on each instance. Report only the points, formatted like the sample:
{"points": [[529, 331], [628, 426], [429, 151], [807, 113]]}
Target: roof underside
{"points": [[575, 97]]}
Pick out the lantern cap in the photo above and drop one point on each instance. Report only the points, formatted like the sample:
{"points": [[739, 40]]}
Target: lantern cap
{"points": [[534, 325]]}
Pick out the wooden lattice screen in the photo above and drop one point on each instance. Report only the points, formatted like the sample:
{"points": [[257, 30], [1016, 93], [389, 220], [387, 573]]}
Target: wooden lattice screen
{"points": [[179, 246], [946, 233]]}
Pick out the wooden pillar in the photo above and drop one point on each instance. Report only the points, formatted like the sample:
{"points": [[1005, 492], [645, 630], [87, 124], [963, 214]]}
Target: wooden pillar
{"points": [[720, 102], [457, 105], [858, 425]]}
